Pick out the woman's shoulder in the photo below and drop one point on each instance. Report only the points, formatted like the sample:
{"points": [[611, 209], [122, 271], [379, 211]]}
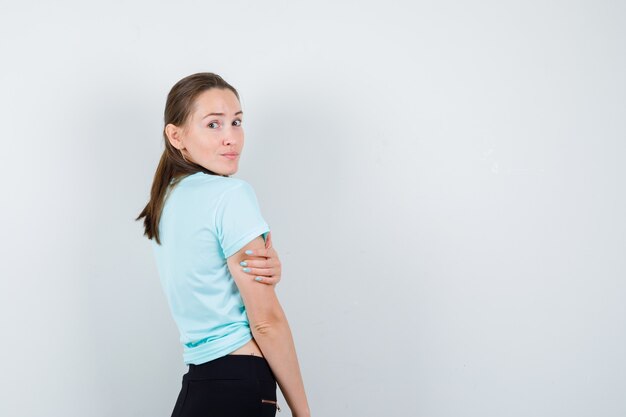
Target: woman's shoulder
{"points": [[217, 184]]}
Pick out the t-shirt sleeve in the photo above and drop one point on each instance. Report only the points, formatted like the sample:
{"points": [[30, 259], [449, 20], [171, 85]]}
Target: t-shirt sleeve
{"points": [[238, 219]]}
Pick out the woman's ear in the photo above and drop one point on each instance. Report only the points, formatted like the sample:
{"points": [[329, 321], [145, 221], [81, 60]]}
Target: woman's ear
{"points": [[174, 135]]}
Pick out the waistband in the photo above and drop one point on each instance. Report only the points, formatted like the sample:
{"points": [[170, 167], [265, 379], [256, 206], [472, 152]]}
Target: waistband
{"points": [[231, 367]]}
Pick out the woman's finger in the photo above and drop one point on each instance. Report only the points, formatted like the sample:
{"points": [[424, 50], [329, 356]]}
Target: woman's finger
{"points": [[265, 280], [266, 272], [268, 253], [260, 252], [259, 263]]}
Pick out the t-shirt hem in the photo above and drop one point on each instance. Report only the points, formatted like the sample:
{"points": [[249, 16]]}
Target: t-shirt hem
{"points": [[199, 357]]}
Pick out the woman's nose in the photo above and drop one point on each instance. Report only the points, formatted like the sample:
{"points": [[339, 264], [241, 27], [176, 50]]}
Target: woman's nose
{"points": [[230, 139]]}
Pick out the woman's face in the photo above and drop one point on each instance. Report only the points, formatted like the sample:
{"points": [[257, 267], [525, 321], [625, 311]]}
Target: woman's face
{"points": [[213, 131]]}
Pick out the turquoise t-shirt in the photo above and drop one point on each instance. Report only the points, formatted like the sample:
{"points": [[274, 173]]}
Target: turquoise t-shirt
{"points": [[205, 219]]}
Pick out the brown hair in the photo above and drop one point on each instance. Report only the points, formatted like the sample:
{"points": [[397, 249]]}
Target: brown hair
{"points": [[172, 166]]}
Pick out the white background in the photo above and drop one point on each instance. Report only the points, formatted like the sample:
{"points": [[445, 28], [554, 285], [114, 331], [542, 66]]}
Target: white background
{"points": [[444, 182]]}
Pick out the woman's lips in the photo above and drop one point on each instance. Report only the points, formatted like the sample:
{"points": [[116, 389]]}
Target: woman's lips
{"points": [[231, 155]]}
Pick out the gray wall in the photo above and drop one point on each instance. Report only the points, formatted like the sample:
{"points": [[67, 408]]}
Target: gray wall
{"points": [[444, 182]]}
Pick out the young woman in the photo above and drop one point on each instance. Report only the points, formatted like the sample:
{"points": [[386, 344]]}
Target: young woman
{"points": [[215, 261]]}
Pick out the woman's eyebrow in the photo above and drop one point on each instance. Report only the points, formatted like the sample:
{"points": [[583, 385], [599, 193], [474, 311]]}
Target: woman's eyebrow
{"points": [[220, 114]]}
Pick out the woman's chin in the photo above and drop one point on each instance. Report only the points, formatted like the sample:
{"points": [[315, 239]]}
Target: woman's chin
{"points": [[230, 171], [223, 170]]}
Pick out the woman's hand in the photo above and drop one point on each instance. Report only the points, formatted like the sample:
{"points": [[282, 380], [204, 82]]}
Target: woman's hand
{"points": [[266, 271]]}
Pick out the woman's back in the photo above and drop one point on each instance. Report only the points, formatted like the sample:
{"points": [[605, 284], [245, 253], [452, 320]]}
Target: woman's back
{"points": [[205, 219]]}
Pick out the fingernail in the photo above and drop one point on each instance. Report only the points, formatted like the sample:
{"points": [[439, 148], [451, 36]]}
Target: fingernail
{"points": [[243, 263], [246, 270], [258, 279], [248, 252]]}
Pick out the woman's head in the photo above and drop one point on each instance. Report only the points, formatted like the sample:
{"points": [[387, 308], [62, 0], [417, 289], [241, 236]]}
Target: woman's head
{"points": [[203, 123]]}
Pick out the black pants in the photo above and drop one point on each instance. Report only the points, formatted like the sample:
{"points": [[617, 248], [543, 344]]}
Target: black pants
{"points": [[230, 386]]}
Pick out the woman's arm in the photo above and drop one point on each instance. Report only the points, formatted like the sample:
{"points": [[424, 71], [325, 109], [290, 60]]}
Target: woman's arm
{"points": [[271, 331]]}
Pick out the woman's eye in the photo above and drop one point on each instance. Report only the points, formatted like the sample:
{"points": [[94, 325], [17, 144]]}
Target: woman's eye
{"points": [[212, 123], [237, 122]]}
